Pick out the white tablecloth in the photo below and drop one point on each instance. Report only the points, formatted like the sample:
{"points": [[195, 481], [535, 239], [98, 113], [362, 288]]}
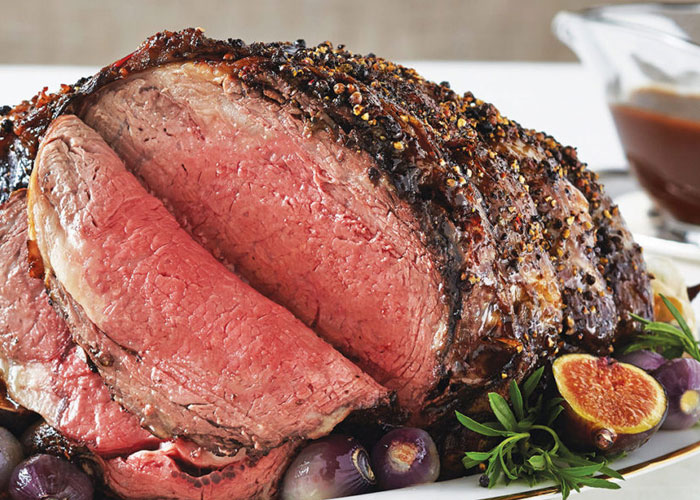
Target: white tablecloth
{"points": [[562, 99]]}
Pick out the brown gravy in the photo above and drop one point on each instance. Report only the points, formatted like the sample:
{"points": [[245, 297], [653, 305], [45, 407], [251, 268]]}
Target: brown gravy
{"points": [[660, 132]]}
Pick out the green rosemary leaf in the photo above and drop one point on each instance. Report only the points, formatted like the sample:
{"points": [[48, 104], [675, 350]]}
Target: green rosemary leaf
{"points": [[553, 403], [482, 429], [494, 471], [611, 472], [516, 399], [506, 470], [526, 423], [574, 459], [537, 462], [554, 414], [678, 317], [531, 383], [479, 456], [639, 319], [670, 340], [503, 413], [640, 344], [597, 482], [565, 489], [584, 470], [469, 463], [666, 330]]}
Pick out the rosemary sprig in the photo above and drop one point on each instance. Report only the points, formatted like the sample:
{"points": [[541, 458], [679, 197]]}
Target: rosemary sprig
{"points": [[668, 340], [530, 449]]}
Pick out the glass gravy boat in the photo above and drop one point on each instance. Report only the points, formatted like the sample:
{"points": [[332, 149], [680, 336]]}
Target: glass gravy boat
{"points": [[649, 58]]}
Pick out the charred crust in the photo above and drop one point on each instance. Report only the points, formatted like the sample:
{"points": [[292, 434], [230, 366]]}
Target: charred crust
{"points": [[42, 438], [620, 258]]}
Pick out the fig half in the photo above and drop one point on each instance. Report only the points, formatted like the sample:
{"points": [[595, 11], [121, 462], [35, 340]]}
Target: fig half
{"points": [[608, 406]]}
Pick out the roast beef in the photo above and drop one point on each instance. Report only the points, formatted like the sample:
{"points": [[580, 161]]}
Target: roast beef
{"points": [[440, 246], [47, 373], [183, 344], [286, 203]]}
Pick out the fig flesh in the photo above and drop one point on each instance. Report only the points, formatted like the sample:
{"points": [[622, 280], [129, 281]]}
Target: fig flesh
{"points": [[608, 406]]}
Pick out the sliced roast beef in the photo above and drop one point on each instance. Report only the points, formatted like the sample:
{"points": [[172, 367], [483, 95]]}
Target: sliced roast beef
{"points": [[290, 207], [47, 373], [293, 212], [183, 343], [29, 328]]}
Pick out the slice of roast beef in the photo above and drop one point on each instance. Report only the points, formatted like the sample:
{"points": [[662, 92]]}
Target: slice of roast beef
{"points": [[183, 344], [47, 373], [169, 473]]}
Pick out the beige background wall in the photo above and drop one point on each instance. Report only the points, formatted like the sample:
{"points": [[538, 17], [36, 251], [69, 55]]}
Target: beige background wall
{"points": [[95, 32]]}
